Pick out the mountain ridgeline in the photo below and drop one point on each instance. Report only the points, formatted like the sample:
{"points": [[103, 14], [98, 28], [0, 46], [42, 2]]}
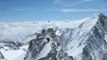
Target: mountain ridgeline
{"points": [[87, 41], [46, 47]]}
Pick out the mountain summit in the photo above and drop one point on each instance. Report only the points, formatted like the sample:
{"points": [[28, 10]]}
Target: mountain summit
{"points": [[88, 40]]}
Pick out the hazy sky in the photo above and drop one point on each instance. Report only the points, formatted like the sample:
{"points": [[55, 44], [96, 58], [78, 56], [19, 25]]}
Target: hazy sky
{"points": [[26, 10]]}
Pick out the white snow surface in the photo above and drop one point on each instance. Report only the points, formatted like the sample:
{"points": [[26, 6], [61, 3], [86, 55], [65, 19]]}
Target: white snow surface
{"points": [[47, 48], [14, 54]]}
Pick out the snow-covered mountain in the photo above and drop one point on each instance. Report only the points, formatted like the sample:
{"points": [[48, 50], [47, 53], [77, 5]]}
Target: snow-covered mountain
{"points": [[46, 47], [84, 39], [87, 41]]}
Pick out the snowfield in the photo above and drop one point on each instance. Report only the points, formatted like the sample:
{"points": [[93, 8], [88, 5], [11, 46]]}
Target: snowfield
{"points": [[15, 54]]}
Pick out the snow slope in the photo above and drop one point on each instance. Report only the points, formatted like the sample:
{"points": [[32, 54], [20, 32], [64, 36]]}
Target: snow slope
{"points": [[87, 41], [15, 54]]}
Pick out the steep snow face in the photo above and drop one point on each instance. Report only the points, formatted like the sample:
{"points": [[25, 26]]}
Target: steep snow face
{"points": [[47, 48], [87, 41], [22, 31]]}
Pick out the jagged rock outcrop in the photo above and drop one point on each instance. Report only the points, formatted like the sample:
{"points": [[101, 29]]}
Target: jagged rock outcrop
{"points": [[1, 56], [11, 44], [46, 47]]}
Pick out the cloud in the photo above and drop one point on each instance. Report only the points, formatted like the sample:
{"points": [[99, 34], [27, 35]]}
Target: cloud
{"points": [[68, 3], [64, 3], [81, 1], [82, 10], [75, 6], [21, 9]]}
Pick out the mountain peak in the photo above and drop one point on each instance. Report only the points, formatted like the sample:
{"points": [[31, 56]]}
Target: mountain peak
{"points": [[99, 15]]}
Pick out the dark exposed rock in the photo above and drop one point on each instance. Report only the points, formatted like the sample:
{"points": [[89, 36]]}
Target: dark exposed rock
{"points": [[1, 56], [86, 54]]}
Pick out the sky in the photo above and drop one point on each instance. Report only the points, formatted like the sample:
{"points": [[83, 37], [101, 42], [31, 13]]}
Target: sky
{"points": [[32, 10]]}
